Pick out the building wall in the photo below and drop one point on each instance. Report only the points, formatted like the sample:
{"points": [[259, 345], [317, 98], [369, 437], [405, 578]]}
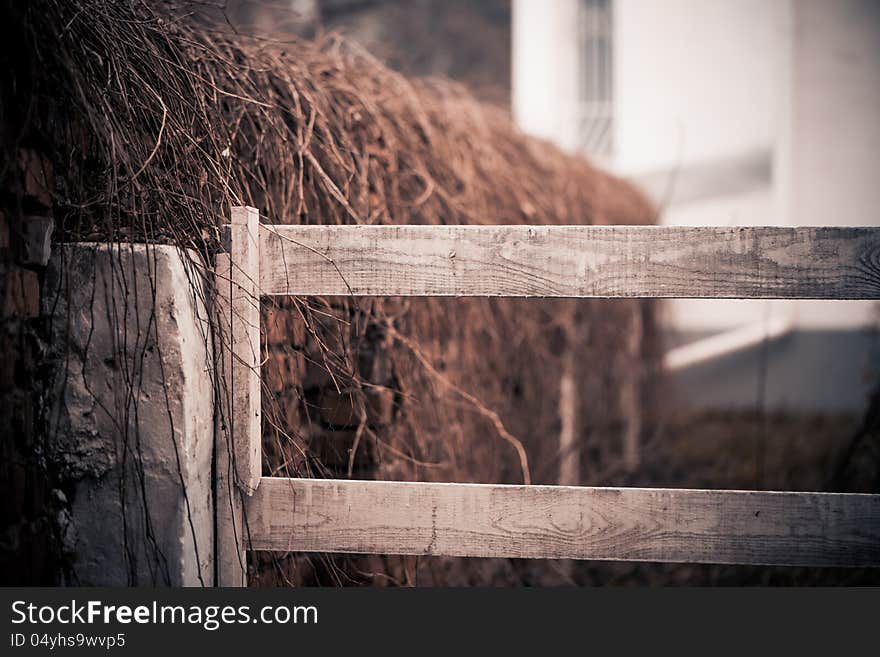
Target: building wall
{"points": [[833, 149], [826, 155], [698, 82], [544, 68], [701, 81], [791, 88], [695, 80]]}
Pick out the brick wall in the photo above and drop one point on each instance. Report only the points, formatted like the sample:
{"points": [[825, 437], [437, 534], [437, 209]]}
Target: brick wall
{"points": [[313, 415], [31, 509]]}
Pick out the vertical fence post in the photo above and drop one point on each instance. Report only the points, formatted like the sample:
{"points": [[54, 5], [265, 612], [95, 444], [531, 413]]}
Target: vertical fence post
{"points": [[631, 389], [569, 445], [238, 454], [569, 448]]}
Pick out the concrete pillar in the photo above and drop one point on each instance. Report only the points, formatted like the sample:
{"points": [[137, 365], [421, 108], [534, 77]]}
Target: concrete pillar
{"points": [[132, 422]]}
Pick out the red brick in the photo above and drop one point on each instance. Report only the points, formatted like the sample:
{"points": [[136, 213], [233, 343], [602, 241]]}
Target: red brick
{"points": [[297, 368], [341, 410], [289, 411], [284, 369], [8, 357], [284, 326], [37, 246], [37, 176], [333, 448], [275, 372], [4, 232], [338, 409], [275, 323], [380, 406], [22, 294], [381, 372], [316, 375]]}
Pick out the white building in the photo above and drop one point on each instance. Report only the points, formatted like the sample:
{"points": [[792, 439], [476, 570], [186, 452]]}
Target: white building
{"points": [[727, 112]]}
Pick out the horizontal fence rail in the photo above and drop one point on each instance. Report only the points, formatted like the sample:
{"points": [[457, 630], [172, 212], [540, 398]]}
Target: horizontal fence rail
{"points": [[620, 524], [571, 261]]}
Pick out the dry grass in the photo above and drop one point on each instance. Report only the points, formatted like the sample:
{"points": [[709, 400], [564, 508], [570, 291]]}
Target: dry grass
{"points": [[157, 123]]}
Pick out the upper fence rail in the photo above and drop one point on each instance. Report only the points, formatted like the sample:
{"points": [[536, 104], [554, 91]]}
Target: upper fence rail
{"points": [[766, 262]]}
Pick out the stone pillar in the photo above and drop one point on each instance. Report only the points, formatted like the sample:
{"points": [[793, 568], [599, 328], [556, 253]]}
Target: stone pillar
{"points": [[132, 424]]}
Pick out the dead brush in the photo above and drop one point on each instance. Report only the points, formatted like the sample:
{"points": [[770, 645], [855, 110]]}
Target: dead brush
{"points": [[158, 122]]}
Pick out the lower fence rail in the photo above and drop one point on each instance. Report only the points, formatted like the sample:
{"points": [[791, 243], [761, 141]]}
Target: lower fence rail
{"points": [[564, 522]]}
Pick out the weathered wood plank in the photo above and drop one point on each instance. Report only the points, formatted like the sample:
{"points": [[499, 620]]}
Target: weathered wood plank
{"points": [[631, 524], [238, 466], [572, 261], [239, 316], [230, 557]]}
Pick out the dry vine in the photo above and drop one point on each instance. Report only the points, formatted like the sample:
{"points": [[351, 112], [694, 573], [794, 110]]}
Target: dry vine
{"points": [[160, 121]]}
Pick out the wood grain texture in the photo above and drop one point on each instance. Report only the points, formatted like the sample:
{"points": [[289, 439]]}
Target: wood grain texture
{"points": [[571, 261], [230, 558], [239, 316], [631, 524]]}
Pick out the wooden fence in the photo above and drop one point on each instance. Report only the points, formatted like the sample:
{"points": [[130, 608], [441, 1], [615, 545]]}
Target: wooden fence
{"points": [[645, 524]]}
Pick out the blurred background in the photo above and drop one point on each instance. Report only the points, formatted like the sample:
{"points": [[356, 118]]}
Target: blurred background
{"points": [[757, 112]]}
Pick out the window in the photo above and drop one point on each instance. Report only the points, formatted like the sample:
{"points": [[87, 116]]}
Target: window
{"points": [[594, 111]]}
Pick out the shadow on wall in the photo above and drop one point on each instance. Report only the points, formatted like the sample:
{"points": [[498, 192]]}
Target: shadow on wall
{"points": [[816, 371]]}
